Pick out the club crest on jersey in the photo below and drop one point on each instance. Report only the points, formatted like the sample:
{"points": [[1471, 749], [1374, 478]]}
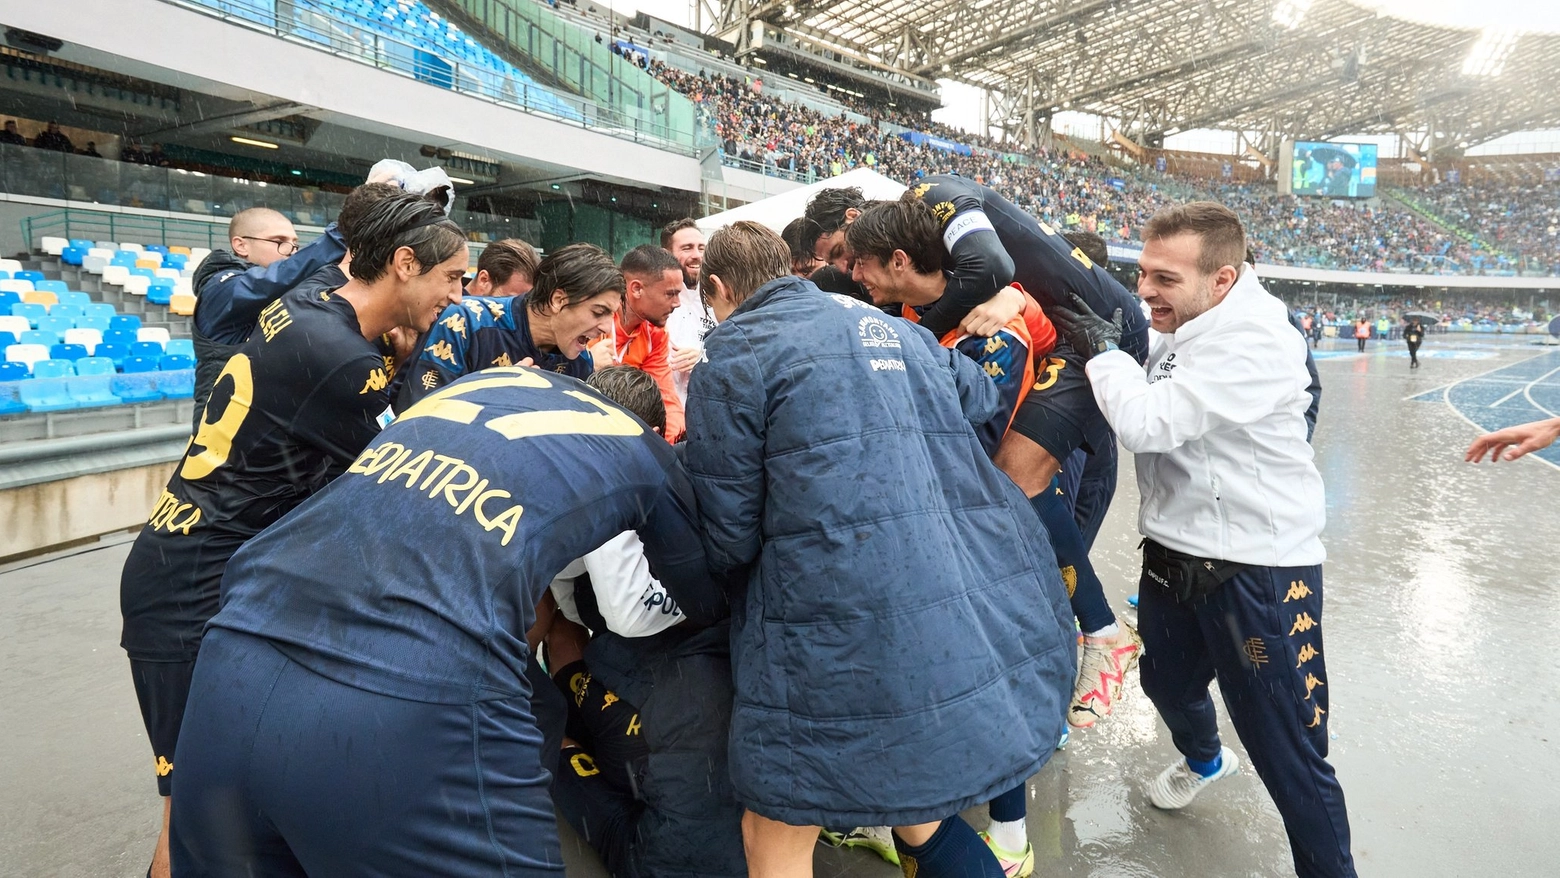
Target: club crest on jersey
{"points": [[876, 333]]}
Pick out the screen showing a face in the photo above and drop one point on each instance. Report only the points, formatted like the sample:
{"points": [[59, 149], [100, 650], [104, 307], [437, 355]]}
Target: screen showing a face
{"points": [[1333, 170]]}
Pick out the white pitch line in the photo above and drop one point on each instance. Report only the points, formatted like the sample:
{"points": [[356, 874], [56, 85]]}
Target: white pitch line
{"points": [[1479, 375], [1522, 389], [1527, 392], [1446, 397]]}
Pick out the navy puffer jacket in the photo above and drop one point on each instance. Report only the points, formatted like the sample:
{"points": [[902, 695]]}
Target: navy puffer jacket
{"points": [[905, 648]]}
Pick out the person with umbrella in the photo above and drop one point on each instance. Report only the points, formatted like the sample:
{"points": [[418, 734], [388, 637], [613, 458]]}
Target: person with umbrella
{"points": [[1414, 335]]}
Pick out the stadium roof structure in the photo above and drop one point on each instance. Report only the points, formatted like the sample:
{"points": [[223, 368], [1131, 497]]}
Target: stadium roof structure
{"points": [[1296, 68]]}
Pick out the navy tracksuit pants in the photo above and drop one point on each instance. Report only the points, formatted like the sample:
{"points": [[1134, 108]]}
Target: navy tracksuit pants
{"points": [[1260, 634]]}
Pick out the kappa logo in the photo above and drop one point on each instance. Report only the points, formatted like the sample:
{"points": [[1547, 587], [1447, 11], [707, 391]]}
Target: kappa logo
{"points": [[377, 381], [876, 333]]}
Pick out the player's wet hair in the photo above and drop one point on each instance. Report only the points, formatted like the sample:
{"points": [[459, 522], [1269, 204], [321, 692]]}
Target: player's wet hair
{"points": [[907, 224], [357, 204], [800, 235], [634, 390], [648, 261], [671, 229], [827, 208], [581, 271], [1222, 236], [503, 259], [745, 256], [398, 220], [1092, 245]]}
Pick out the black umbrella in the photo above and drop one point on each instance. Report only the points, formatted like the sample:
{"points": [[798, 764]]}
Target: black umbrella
{"points": [[1326, 154], [1422, 317]]}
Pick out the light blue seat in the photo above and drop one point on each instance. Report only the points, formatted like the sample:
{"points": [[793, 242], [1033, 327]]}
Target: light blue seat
{"points": [[51, 286], [53, 369], [56, 325], [124, 337], [176, 384], [40, 336], [33, 311], [13, 371], [180, 347], [100, 309], [93, 321], [114, 353], [132, 365], [35, 276], [45, 394], [150, 349], [82, 244], [91, 390], [77, 299], [136, 386], [175, 362], [125, 322], [95, 366]]}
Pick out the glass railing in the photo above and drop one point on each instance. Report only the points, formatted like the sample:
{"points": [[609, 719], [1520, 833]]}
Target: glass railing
{"points": [[341, 34], [584, 60], [42, 173]]}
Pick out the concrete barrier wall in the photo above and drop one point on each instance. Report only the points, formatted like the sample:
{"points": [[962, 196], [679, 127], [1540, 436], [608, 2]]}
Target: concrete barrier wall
{"points": [[49, 514]]}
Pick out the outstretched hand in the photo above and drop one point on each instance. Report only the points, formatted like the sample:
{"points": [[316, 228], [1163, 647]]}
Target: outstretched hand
{"points": [[1513, 442], [1087, 332]]}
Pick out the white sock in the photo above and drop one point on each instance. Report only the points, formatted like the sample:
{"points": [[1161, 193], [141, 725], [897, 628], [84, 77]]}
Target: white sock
{"points": [[1109, 631], [1008, 835]]}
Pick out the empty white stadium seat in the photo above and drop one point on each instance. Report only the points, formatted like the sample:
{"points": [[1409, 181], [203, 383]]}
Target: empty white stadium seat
{"points": [[115, 274], [136, 247], [152, 333], [10, 266], [89, 338], [169, 273], [136, 284], [197, 254], [54, 246], [16, 286], [14, 325], [26, 353]]}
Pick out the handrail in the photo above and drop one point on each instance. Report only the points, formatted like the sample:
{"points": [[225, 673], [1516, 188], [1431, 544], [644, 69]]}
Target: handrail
{"points": [[30, 450], [387, 53]]}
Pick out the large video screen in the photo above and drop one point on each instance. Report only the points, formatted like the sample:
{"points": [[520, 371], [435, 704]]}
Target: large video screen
{"points": [[1333, 170]]}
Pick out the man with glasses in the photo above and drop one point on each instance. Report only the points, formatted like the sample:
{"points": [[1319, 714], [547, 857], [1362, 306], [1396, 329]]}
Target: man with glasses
{"points": [[232, 287]]}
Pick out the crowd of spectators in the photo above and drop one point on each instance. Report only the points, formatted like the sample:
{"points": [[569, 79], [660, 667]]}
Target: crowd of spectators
{"points": [[1493, 312], [758, 130], [53, 139], [1521, 221]]}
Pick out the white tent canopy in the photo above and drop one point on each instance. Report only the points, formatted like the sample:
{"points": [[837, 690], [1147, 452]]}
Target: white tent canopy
{"points": [[777, 211]]}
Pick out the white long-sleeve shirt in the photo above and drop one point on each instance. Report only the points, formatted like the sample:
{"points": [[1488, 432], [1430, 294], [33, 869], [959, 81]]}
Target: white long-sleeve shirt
{"points": [[633, 603], [1218, 429]]}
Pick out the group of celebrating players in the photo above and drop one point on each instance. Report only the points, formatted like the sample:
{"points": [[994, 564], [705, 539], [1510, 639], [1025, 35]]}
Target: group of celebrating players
{"points": [[715, 550]]}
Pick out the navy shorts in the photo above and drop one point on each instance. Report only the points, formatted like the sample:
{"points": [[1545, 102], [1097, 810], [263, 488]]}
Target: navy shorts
{"points": [[1060, 413], [285, 772], [162, 688]]}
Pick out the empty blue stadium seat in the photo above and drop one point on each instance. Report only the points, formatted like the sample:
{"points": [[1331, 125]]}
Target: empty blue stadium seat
{"points": [[136, 387], [70, 352], [11, 398], [125, 258], [81, 244], [176, 383], [7, 339], [95, 366], [125, 321], [147, 349], [39, 336], [35, 276], [138, 364], [91, 390], [92, 321], [73, 256], [56, 325], [160, 293], [125, 337], [80, 300], [31, 310], [5, 275], [157, 248], [148, 273], [100, 309], [8, 299], [175, 362], [180, 347], [176, 261], [53, 369], [13, 371], [51, 286], [114, 353], [45, 394]]}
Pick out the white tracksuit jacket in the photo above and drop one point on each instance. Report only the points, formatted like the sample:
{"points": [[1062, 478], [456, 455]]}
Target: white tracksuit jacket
{"points": [[1218, 428]]}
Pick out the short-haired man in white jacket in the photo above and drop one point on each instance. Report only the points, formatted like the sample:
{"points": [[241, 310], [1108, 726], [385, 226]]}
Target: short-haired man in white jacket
{"points": [[1232, 512]]}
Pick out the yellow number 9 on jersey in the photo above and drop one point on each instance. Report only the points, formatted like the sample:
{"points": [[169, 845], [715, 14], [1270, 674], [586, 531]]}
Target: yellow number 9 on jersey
{"points": [[215, 438]]}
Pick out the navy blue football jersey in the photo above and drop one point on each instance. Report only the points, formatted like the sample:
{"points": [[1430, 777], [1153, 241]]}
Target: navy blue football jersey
{"points": [[416, 573]]}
